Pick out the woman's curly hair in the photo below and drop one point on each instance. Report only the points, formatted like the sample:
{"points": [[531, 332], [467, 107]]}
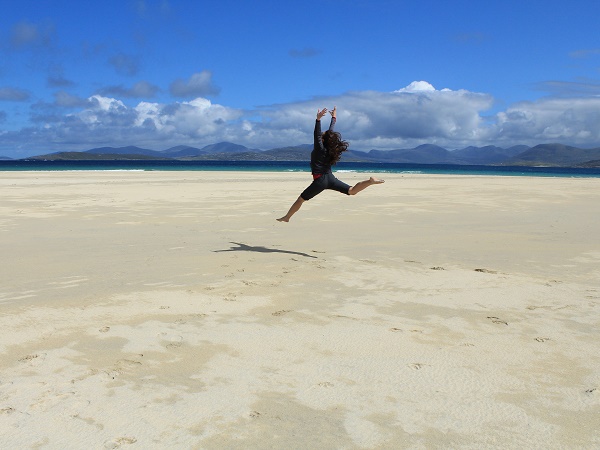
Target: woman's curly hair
{"points": [[333, 142]]}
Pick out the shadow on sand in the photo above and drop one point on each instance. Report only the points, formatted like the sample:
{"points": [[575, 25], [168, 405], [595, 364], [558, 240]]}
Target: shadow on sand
{"points": [[249, 248]]}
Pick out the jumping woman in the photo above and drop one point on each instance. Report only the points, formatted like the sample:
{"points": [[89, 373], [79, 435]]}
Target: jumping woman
{"points": [[326, 153]]}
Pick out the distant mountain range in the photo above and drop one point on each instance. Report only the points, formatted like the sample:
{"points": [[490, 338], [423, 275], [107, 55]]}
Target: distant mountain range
{"points": [[557, 155]]}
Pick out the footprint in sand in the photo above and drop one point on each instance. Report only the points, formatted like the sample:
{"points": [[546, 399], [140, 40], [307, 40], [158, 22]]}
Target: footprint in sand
{"points": [[542, 339], [594, 391], [592, 294], [437, 268], [197, 315], [326, 384], [341, 316], [175, 342], [122, 366], [485, 271], [104, 329], [113, 373], [497, 320], [396, 330], [34, 359], [119, 442], [548, 307], [52, 397], [255, 414], [123, 363], [281, 312], [416, 366], [230, 297]]}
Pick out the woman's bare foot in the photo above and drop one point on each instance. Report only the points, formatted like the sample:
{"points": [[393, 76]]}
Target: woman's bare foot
{"points": [[363, 185], [293, 210]]}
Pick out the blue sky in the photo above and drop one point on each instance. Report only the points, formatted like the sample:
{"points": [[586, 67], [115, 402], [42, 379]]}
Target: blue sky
{"points": [[159, 73]]}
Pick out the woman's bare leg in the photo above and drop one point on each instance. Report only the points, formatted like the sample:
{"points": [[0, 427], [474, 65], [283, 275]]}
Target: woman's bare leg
{"points": [[363, 185], [293, 210]]}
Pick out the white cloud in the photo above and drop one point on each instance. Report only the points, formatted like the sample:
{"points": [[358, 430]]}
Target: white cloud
{"points": [[405, 118], [102, 111], [106, 104], [571, 120], [148, 113], [197, 119], [417, 86], [108, 121]]}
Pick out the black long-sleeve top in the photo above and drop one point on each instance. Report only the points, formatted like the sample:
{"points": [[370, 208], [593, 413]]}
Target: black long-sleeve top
{"points": [[319, 157]]}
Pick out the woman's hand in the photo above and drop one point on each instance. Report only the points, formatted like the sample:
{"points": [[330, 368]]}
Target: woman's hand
{"points": [[333, 112], [321, 113]]}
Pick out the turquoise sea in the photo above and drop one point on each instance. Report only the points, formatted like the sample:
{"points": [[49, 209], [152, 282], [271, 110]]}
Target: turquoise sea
{"points": [[296, 166]]}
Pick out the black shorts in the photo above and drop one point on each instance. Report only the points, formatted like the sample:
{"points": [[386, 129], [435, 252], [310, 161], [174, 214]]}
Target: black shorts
{"points": [[325, 181]]}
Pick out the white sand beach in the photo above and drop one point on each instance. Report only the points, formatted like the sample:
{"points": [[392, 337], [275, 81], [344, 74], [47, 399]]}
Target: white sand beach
{"points": [[171, 310]]}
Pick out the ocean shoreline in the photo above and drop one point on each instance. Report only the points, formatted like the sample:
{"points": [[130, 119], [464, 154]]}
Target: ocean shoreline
{"points": [[298, 166]]}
